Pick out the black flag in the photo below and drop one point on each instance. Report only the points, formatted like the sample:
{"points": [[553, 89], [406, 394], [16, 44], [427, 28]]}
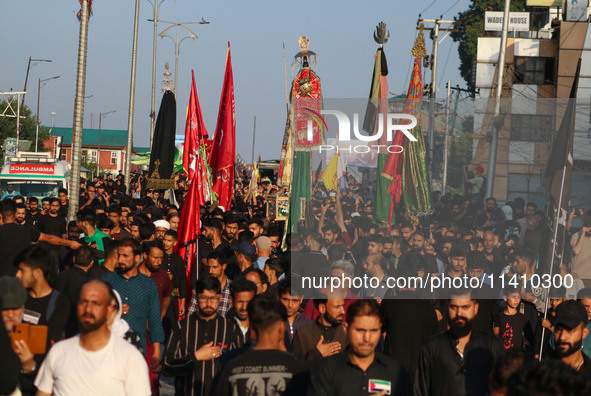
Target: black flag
{"points": [[558, 182], [380, 69], [162, 155], [318, 172]]}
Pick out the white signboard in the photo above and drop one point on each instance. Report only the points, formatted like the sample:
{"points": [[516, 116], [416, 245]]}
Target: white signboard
{"points": [[576, 10], [518, 21]]}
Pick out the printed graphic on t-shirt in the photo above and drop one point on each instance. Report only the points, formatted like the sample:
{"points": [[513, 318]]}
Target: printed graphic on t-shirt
{"points": [[508, 336], [260, 380]]}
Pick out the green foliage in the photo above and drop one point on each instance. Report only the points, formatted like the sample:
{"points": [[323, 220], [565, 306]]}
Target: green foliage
{"points": [[89, 164], [460, 154], [472, 27], [27, 125]]}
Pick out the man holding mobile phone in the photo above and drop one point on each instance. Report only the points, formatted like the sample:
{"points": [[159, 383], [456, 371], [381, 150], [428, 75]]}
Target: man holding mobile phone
{"points": [[13, 296]]}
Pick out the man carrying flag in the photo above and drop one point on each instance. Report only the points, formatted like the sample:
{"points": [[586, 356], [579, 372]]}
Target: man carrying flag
{"points": [[223, 151], [199, 188]]}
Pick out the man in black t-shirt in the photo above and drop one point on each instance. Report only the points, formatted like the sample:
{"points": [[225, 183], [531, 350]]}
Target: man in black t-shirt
{"points": [[70, 282], [44, 306], [360, 370], [52, 223], [33, 214], [264, 369], [15, 237], [175, 266], [62, 195]]}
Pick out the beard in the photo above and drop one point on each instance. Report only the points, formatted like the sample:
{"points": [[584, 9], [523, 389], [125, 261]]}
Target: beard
{"points": [[207, 310], [95, 324], [123, 269], [572, 348], [334, 321], [460, 326]]}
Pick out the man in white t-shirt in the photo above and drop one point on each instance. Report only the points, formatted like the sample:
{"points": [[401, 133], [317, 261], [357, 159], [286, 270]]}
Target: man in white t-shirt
{"points": [[94, 362]]}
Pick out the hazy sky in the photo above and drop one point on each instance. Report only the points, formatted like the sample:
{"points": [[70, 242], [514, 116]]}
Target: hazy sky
{"points": [[340, 32]]}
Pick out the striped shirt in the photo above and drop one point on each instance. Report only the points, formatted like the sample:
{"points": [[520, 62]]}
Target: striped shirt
{"points": [[193, 378]]}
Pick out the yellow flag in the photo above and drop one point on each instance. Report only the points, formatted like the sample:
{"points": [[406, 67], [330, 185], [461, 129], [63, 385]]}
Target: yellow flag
{"points": [[329, 177]]}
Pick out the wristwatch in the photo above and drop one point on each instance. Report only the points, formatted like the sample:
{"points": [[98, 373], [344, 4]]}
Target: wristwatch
{"points": [[31, 371]]}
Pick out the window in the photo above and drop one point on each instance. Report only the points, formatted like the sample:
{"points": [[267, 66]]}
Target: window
{"points": [[531, 127], [530, 70], [63, 155], [113, 158], [527, 186], [93, 154]]}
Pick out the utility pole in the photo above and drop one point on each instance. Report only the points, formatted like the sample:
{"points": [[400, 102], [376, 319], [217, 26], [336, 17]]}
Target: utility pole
{"points": [[129, 146], [497, 121], [74, 188], [450, 131], [446, 140], [431, 62]]}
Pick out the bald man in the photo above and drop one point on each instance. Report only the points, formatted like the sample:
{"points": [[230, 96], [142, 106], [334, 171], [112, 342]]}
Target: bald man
{"points": [[96, 362]]}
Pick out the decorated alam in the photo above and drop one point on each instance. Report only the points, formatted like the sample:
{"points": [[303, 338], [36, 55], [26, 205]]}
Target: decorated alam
{"points": [[373, 257]]}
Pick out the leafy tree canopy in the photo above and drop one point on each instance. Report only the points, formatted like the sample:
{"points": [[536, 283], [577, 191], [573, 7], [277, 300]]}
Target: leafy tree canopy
{"points": [[472, 27]]}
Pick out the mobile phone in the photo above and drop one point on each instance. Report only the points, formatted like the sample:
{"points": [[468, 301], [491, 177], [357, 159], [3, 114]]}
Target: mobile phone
{"points": [[34, 336]]}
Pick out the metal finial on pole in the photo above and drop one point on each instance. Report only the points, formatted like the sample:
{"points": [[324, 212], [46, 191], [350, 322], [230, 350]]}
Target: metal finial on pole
{"points": [[382, 34], [166, 81]]}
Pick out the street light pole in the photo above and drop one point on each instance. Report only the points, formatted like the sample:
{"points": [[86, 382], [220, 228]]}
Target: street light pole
{"points": [[98, 154], [27, 78], [155, 7], [129, 146], [177, 42], [38, 100]]}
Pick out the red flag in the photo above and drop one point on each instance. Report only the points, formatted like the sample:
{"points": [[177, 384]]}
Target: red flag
{"points": [[223, 152], [194, 131], [190, 226], [194, 163]]}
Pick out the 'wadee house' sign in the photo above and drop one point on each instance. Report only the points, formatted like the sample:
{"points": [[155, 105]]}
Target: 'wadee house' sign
{"points": [[32, 168]]}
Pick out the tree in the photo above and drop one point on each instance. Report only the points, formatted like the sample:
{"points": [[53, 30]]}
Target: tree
{"points": [[460, 154], [89, 164], [27, 125], [471, 28]]}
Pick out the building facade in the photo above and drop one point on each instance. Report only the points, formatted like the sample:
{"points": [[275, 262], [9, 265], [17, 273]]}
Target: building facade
{"points": [[540, 66]]}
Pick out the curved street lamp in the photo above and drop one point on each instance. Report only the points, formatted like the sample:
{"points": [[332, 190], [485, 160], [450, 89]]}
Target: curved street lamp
{"points": [[98, 154], [177, 42]]}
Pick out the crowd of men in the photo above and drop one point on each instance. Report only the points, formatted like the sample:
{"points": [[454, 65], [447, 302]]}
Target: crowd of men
{"points": [[103, 305]]}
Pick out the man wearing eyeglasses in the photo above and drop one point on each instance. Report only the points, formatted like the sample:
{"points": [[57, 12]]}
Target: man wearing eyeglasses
{"points": [[194, 349]]}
